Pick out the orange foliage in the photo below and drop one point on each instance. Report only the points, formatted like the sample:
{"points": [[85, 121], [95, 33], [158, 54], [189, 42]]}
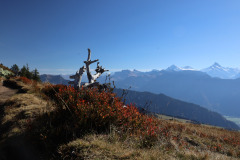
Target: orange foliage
{"points": [[102, 109], [25, 80]]}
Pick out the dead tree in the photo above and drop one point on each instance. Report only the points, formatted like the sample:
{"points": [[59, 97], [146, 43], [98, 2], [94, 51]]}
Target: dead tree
{"points": [[91, 78], [77, 78]]}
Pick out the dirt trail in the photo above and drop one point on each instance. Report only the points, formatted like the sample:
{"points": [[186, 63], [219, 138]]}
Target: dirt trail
{"points": [[15, 147], [6, 93]]}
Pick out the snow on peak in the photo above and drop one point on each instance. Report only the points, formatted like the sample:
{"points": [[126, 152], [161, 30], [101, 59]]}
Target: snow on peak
{"points": [[217, 66], [176, 68], [216, 70], [187, 68], [173, 68]]}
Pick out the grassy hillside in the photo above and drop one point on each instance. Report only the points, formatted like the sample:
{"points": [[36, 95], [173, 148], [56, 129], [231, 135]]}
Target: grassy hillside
{"points": [[58, 122]]}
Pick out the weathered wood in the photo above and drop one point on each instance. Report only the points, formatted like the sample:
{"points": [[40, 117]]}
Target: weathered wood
{"points": [[99, 70], [81, 71], [91, 78], [88, 63]]}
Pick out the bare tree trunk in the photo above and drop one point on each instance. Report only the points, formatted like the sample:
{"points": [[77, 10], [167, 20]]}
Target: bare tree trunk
{"points": [[78, 77], [81, 71], [88, 63], [91, 78]]}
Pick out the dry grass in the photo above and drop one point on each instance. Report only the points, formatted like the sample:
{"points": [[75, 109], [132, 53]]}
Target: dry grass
{"points": [[102, 147], [205, 138], [22, 108], [165, 117], [26, 105]]}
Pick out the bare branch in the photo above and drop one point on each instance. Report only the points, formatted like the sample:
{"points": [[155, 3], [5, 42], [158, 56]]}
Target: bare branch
{"points": [[89, 55]]}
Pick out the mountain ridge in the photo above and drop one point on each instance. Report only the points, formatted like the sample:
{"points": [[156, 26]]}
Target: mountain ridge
{"points": [[162, 104], [54, 79]]}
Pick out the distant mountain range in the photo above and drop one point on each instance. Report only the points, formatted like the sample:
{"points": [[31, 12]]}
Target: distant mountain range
{"points": [[54, 79], [186, 84], [216, 70], [221, 95], [162, 104]]}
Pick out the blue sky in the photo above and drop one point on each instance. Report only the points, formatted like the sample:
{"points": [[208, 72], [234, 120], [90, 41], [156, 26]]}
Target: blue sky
{"points": [[53, 35]]}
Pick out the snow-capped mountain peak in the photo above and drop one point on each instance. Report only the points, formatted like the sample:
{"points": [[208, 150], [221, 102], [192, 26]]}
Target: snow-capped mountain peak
{"points": [[216, 66], [176, 68], [173, 68], [216, 70]]}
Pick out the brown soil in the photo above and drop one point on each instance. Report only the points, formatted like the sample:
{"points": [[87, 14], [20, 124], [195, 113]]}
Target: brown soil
{"points": [[6, 93]]}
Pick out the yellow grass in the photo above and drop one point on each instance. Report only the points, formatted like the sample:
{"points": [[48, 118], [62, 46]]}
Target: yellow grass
{"points": [[99, 147]]}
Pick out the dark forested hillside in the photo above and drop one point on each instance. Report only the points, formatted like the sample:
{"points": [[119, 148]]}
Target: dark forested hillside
{"points": [[160, 103]]}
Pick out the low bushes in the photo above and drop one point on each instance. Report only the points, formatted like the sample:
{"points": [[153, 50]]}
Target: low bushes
{"points": [[91, 110]]}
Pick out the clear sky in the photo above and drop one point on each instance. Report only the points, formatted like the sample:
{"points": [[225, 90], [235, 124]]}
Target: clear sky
{"points": [[53, 35]]}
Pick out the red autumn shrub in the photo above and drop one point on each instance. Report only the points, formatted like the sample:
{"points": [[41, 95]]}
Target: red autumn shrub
{"points": [[91, 109], [25, 80], [51, 91]]}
